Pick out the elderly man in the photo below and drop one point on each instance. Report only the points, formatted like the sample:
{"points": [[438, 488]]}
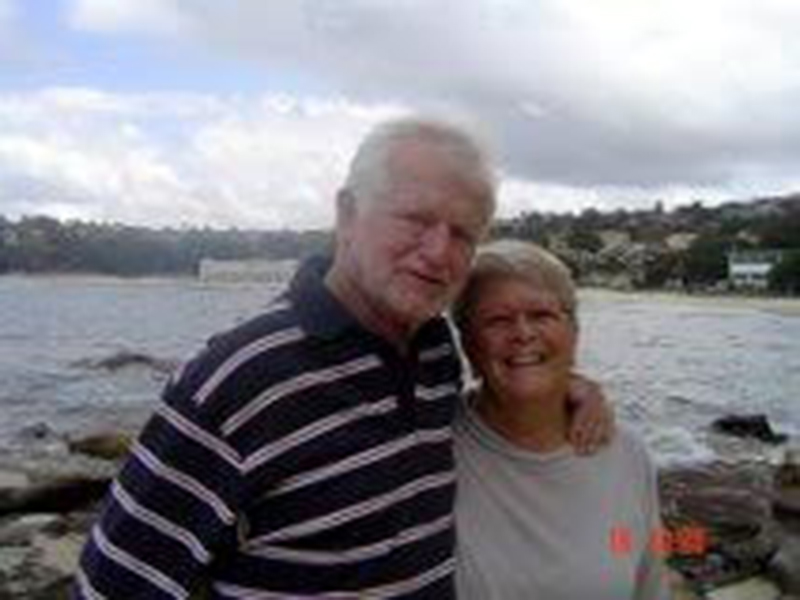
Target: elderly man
{"points": [[308, 452]]}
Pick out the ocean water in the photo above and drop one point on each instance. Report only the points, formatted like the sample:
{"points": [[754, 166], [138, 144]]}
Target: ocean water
{"points": [[670, 367]]}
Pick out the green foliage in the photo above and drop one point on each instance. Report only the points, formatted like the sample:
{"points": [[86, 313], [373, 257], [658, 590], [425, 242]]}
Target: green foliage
{"points": [[531, 227], [583, 238], [43, 244], [784, 277], [661, 267], [780, 231], [705, 262]]}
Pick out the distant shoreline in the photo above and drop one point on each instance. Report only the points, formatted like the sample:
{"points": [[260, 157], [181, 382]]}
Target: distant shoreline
{"points": [[788, 306], [777, 304]]}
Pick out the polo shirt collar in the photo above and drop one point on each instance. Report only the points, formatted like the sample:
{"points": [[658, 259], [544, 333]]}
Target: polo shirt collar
{"points": [[322, 314]]}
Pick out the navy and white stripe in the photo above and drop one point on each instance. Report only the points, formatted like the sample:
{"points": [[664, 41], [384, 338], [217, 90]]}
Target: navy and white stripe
{"points": [[298, 455]]}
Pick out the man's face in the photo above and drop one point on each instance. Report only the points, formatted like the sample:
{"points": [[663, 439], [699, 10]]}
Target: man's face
{"points": [[409, 249]]}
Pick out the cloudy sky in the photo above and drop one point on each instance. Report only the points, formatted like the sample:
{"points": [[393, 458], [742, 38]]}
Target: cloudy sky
{"points": [[245, 112]]}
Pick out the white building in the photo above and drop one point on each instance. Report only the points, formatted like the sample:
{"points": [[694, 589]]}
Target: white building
{"points": [[750, 269], [235, 271]]}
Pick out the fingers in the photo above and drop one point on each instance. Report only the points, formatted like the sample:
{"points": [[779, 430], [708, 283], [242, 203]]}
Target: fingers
{"points": [[587, 438], [592, 416], [592, 429]]}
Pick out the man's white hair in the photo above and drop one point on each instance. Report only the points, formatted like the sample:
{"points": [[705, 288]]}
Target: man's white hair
{"points": [[369, 170]]}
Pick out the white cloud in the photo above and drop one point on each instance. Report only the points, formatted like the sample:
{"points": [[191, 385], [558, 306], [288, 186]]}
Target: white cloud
{"points": [[162, 159], [623, 92], [162, 17], [610, 103], [262, 161]]}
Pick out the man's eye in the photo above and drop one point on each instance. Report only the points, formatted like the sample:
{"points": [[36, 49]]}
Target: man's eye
{"points": [[467, 240], [413, 221], [499, 320]]}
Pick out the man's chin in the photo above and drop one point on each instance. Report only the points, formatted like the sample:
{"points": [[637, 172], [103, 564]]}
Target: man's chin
{"points": [[420, 312]]}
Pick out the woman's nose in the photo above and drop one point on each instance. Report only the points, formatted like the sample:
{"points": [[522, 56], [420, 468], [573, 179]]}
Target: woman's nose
{"points": [[524, 327]]}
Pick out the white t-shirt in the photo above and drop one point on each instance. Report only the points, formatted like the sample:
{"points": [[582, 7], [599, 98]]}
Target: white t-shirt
{"points": [[554, 526]]}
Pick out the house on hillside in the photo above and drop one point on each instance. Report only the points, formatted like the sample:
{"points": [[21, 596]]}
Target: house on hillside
{"points": [[614, 238], [750, 269], [680, 241]]}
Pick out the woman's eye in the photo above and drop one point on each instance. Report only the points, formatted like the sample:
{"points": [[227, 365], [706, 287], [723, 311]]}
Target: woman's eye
{"points": [[545, 316]]}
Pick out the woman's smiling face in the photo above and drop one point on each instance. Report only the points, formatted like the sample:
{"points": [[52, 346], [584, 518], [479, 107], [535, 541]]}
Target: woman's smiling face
{"points": [[520, 339]]}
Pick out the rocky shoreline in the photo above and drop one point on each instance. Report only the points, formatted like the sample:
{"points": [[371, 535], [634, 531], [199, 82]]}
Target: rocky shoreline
{"points": [[750, 522], [731, 531]]}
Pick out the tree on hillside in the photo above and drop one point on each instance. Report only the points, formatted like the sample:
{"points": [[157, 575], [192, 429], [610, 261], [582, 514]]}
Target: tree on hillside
{"points": [[705, 262], [781, 231], [660, 267], [785, 276], [584, 238]]}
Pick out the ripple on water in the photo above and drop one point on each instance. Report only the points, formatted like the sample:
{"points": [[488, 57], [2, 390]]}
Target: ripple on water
{"points": [[672, 366]]}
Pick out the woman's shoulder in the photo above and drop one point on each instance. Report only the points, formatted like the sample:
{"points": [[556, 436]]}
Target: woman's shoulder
{"points": [[631, 447], [629, 438]]}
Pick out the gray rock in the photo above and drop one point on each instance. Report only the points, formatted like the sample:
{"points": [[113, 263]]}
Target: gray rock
{"points": [[787, 504], [786, 501], [681, 590], [12, 479], [37, 432], [108, 445], [62, 495], [126, 359], [60, 554], [11, 560], [754, 426], [42, 570], [21, 530], [37, 466], [47, 506], [785, 565], [756, 588], [732, 505], [39, 555]]}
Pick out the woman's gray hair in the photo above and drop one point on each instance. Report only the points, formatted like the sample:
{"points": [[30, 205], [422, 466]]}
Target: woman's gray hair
{"points": [[369, 170], [514, 259]]}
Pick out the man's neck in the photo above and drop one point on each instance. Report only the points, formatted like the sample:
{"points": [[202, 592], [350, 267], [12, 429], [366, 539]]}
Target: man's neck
{"points": [[365, 312]]}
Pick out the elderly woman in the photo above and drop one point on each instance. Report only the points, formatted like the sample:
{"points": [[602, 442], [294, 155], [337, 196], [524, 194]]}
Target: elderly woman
{"points": [[535, 519]]}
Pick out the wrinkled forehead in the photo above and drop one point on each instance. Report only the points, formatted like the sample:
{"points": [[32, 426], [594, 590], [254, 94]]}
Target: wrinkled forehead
{"points": [[532, 285], [529, 288], [429, 162]]}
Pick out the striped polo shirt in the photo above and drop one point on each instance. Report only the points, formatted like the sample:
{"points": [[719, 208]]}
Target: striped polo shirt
{"points": [[298, 455]]}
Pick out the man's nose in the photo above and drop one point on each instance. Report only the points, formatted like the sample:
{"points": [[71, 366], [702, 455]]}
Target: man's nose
{"points": [[435, 243]]}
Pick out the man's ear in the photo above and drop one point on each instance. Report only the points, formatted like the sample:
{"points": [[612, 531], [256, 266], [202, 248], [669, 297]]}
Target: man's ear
{"points": [[345, 210]]}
